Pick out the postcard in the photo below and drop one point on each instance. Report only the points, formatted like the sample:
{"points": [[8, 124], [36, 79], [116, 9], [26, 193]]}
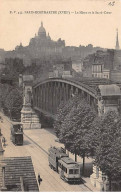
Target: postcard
{"points": [[60, 95]]}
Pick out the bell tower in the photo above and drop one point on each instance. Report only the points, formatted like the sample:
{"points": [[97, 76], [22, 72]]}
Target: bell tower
{"points": [[117, 42]]}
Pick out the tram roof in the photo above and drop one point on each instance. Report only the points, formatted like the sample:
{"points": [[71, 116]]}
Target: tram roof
{"points": [[57, 151], [68, 160]]}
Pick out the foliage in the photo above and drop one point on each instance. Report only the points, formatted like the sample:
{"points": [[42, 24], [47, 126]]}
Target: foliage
{"points": [[10, 100], [73, 125], [62, 111], [4, 91], [75, 129], [46, 121], [106, 137]]}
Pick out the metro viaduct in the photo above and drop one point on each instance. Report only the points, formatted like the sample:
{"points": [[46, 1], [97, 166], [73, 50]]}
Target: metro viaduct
{"points": [[48, 94]]}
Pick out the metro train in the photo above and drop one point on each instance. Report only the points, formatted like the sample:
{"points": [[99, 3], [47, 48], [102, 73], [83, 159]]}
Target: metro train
{"points": [[60, 162]]}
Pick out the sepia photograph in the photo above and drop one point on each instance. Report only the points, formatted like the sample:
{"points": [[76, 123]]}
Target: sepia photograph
{"points": [[60, 96]]}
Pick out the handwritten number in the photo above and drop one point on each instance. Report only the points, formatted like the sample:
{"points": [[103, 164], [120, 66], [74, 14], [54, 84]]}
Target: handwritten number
{"points": [[112, 3]]}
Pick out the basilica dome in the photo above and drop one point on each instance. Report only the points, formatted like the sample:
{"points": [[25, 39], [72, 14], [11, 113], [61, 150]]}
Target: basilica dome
{"points": [[42, 31]]}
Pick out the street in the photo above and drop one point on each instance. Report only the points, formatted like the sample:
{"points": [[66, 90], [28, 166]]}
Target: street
{"points": [[36, 144]]}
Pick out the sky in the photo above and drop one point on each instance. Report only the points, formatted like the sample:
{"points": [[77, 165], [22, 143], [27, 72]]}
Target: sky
{"points": [[85, 21]]}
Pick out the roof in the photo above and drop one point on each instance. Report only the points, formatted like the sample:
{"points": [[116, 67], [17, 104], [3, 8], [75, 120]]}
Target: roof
{"points": [[110, 90], [41, 29], [68, 160], [57, 151], [28, 78], [17, 167]]}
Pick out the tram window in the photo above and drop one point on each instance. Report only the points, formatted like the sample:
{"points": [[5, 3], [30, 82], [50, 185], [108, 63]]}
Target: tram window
{"points": [[70, 171], [59, 164], [76, 171], [63, 168], [66, 170]]}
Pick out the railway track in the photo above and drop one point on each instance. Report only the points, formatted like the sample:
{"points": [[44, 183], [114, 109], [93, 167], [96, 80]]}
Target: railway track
{"points": [[85, 188], [36, 144]]}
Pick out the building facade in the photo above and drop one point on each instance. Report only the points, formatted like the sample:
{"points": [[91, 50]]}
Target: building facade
{"points": [[41, 46], [98, 71]]}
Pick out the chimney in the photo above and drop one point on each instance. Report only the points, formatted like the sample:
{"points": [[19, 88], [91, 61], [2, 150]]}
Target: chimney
{"points": [[22, 183]]}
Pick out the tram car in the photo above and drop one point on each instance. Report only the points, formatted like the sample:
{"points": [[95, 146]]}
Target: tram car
{"points": [[68, 169], [17, 134]]}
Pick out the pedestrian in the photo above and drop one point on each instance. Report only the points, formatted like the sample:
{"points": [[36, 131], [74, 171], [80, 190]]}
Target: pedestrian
{"points": [[39, 179], [0, 132], [3, 141]]}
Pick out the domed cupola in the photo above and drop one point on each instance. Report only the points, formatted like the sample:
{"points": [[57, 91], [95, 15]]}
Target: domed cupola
{"points": [[42, 31], [48, 37]]}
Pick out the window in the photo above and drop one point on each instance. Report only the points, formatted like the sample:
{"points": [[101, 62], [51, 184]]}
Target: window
{"points": [[76, 171], [62, 167], [70, 171], [66, 170]]}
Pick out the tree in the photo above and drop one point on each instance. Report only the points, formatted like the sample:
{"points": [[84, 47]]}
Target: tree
{"points": [[75, 128], [13, 103], [62, 111], [106, 136], [4, 91]]}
